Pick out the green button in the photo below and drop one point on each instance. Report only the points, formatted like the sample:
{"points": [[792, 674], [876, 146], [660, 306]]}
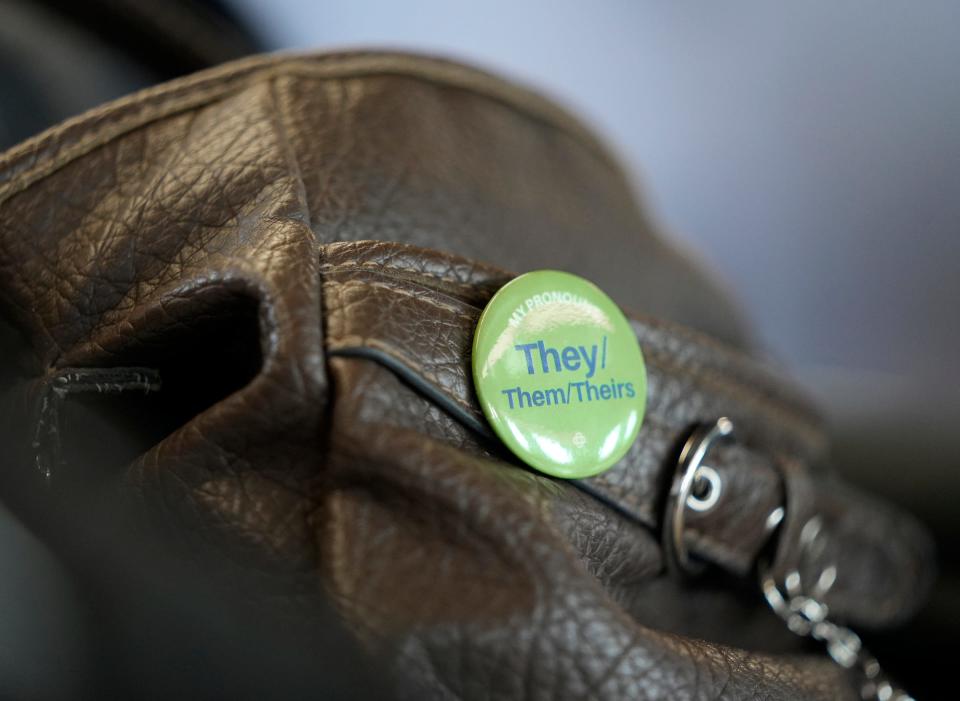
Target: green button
{"points": [[559, 374]]}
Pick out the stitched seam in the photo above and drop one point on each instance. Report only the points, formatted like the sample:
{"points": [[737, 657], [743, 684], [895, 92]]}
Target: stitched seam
{"points": [[377, 267], [730, 362], [656, 358], [195, 91], [89, 141], [409, 294], [364, 245], [334, 278]]}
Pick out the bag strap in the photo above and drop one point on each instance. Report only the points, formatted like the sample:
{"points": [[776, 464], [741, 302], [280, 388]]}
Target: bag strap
{"points": [[773, 482]]}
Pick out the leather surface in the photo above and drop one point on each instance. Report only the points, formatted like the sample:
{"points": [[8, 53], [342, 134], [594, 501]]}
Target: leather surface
{"points": [[252, 258]]}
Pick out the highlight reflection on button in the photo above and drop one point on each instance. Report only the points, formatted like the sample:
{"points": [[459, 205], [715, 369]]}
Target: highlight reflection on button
{"points": [[553, 450], [610, 443]]}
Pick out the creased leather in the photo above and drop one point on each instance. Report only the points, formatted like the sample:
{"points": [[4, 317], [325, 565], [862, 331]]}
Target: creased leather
{"points": [[349, 460], [425, 326]]}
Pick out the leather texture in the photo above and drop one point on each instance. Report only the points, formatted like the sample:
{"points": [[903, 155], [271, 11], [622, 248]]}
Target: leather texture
{"points": [[267, 276]]}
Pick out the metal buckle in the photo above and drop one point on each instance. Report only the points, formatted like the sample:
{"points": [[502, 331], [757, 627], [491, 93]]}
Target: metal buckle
{"points": [[691, 474], [803, 610]]}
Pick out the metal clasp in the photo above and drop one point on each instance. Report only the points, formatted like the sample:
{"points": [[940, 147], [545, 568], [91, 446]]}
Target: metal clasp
{"points": [[806, 614], [697, 486]]}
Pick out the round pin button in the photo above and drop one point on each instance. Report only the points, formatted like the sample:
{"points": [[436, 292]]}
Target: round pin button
{"points": [[559, 374]]}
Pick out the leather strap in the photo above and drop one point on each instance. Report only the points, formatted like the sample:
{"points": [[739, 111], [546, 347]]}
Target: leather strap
{"points": [[376, 297], [373, 291]]}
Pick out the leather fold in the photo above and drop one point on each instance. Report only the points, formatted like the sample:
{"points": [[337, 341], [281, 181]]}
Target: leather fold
{"points": [[377, 300], [293, 252]]}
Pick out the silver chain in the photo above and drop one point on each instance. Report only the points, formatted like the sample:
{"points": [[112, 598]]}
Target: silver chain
{"points": [[801, 608], [806, 616]]}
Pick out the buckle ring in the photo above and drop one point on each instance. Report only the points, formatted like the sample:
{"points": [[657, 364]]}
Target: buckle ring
{"points": [[691, 471]]}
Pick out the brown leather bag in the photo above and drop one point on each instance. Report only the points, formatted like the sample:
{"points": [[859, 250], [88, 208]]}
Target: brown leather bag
{"points": [[262, 283]]}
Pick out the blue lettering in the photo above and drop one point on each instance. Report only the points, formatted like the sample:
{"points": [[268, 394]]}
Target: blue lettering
{"points": [[571, 358], [591, 359], [527, 349]]}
